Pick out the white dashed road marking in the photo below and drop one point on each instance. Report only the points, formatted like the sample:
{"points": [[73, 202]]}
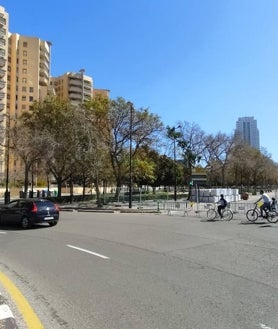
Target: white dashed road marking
{"points": [[263, 326], [88, 251]]}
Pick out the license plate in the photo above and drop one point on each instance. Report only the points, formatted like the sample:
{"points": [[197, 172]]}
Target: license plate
{"points": [[48, 218]]}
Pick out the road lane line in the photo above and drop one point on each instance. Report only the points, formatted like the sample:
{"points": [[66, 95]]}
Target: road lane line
{"points": [[88, 251], [31, 319], [263, 326], [1, 232]]}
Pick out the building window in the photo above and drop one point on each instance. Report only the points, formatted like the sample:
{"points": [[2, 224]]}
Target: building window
{"points": [[24, 80], [23, 98], [24, 71], [25, 53], [25, 62], [31, 89], [25, 44], [24, 89], [23, 107], [31, 98]]}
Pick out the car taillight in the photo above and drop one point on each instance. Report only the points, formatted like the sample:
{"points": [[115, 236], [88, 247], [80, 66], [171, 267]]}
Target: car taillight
{"points": [[34, 208]]}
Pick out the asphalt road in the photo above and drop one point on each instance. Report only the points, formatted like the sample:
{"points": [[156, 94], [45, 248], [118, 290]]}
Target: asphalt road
{"points": [[145, 271]]}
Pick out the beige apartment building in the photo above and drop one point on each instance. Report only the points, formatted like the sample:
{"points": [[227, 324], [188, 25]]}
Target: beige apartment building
{"points": [[4, 23], [25, 78], [28, 81], [75, 87]]}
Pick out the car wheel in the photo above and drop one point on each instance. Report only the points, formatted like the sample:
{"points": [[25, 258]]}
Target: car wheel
{"points": [[53, 223], [25, 223]]}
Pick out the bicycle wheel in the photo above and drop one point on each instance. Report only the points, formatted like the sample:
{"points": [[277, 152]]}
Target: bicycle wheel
{"points": [[227, 214], [211, 214], [252, 215], [272, 217]]}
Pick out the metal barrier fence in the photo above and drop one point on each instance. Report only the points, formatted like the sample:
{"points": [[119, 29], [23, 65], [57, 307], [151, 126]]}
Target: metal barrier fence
{"points": [[187, 208]]}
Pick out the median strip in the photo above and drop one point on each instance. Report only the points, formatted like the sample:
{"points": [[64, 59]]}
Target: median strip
{"points": [[88, 251]]}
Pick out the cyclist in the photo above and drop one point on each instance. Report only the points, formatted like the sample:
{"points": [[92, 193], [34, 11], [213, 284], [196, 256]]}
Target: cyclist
{"points": [[266, 202], [222, 204]]}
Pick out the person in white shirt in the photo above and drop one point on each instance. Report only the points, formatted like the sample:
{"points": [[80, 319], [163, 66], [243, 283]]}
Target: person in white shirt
{"points": [[266, 202]]}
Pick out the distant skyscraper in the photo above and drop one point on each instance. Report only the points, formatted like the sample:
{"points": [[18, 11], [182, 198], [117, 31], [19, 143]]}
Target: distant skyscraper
{"points": [[247, 131]]}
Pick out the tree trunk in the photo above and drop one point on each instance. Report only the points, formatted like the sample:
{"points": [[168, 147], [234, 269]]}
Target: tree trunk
{"points": [[26, 183], [99, 203]]}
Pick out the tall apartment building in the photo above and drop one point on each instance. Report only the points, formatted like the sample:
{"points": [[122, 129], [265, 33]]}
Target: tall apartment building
{"points": [[28, 72], [247, 131], [75, 87], [25, 78], [4, 23], [28, 81]]}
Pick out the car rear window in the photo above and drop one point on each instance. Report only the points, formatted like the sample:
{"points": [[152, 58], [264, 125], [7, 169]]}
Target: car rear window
{"points": [[44, 203]]}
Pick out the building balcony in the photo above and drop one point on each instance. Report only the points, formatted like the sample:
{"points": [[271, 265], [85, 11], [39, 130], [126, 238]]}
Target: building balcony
{"points": [[44, 55], [2, 95], [2, 84], [75, 82], [75, 96], [74, 89], [43, 81], [2, 42], [3, 21], [44, 65], [87, 93], [2, 106], [2, 62], [3, 32], [2, 73], [44, 73]]}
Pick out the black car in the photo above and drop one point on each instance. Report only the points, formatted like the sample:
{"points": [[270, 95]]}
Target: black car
{"points": [[27, 212]]}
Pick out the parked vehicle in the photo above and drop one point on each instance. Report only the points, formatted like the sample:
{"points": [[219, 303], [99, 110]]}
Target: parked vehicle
{"points": [[28, 212]]}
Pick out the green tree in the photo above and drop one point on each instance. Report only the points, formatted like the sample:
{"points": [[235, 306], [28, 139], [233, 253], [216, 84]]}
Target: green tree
{"points": [[128, 125], [56, 129]]}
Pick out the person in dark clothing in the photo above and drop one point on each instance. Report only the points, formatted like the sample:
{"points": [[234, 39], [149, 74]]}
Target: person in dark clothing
{"points": [[273, 205], [222, 204]]}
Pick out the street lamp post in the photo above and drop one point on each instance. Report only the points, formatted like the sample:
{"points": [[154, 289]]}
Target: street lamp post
{"points": [[175, 171], [7, 192], [130, 154], [175, 136]]}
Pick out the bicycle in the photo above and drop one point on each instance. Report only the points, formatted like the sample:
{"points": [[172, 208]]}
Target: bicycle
{"points": [[253, 214], [212, 213]]}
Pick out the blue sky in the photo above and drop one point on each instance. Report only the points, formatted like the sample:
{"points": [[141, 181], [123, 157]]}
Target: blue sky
{"points": [[202, 61]]}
